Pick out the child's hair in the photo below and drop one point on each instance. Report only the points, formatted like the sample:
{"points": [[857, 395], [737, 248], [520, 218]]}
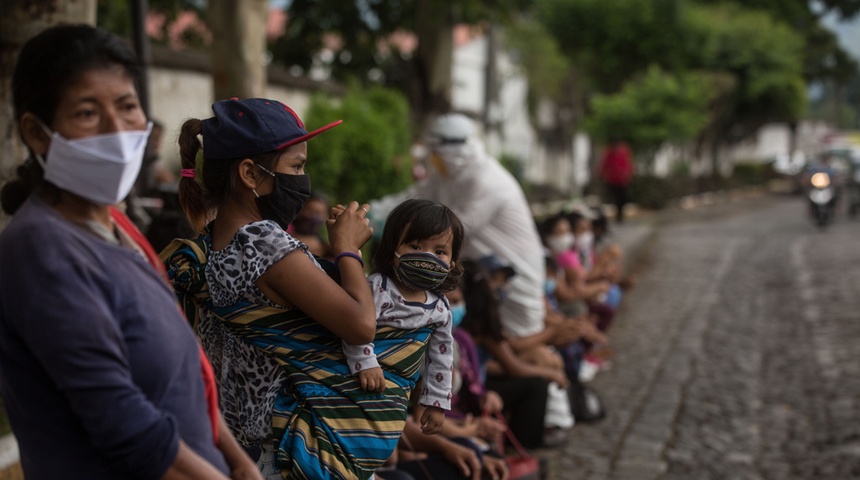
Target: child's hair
{"points": [[417, 219], [546, 227], [482, 320]]}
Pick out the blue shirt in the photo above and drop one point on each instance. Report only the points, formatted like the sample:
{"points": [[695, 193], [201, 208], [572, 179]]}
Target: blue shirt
{"points": [[99, 371]]}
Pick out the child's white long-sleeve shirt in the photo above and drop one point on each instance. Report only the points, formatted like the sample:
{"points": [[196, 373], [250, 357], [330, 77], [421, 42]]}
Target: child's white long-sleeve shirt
{"points": [[394, 311]]}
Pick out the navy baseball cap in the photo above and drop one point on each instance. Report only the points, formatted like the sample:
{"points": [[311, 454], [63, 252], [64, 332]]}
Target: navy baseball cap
{"points": [[251, 126], [493, 263]]}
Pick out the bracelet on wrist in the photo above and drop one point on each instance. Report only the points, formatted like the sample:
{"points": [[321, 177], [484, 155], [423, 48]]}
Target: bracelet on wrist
{"points": [[349, 254]]}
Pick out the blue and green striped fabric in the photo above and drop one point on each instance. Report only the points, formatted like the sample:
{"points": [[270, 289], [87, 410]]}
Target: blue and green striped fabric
{"points": [[325, 424]]}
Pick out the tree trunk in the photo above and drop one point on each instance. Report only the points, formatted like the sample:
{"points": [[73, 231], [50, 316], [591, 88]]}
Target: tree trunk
{"points": [[433, 60], [20, 21], [238, 48]]}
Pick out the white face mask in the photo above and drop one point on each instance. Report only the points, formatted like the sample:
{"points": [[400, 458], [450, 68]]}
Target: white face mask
{"points": [[560, 242], [585, 241], [101, 168]]}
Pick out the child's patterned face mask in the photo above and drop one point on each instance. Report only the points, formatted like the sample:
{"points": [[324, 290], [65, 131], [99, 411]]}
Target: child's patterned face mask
{"points": [[421, 270]]}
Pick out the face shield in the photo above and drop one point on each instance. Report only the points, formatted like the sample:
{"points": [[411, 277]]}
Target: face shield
{"points": [[448, 140]]}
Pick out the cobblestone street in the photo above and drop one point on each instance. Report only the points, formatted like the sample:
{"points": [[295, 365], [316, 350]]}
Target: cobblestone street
{"points": [[737, 356]]}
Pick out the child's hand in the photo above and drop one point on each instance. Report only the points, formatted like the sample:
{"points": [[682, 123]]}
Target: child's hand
{"points": [[348, 227], [336, 211], [372, 379], [432, 420]]}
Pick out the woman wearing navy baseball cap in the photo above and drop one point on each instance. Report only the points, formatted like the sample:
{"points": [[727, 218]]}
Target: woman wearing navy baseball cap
{"points": [[268, 316]]}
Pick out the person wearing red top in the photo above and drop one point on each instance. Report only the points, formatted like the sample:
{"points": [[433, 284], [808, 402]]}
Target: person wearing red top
{"points": [[616, 170]]}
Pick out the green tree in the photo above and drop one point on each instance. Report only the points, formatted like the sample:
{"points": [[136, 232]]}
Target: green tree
{"points": [[752, 60], [423, 75], [823, 58], [655, 108], [763, 59], [539, 56], [611, 42], [368, 155]]}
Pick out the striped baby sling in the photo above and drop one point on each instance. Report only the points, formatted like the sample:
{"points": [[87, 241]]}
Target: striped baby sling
{"points": [[324, 424]]}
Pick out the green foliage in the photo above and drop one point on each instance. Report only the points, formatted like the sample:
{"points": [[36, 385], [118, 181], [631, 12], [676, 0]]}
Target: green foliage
{"points": [[365, 24], [824, 58], [513, 165], [653, 193], [656, 108], [116, 17], [610, 41], [763, 55], [367, 156], [752, 173], [539, 55], [672, 70]]}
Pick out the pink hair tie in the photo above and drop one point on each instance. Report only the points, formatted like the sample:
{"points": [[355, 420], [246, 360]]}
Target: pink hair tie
{"points": [[188, 173]]}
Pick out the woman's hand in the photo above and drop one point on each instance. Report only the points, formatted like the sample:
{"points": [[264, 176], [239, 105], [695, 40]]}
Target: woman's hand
{"points": [[372, 379], [565, 333], [490, 429], [432, 420], [496, 467], [241, 465], [464, 459], [348, 227]]}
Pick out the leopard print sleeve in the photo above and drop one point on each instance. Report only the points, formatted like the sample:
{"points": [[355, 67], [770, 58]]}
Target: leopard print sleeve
{"points": [[232, 272]]}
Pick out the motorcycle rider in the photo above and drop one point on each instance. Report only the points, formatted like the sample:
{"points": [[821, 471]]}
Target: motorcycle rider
{"points": [[823, 164]]}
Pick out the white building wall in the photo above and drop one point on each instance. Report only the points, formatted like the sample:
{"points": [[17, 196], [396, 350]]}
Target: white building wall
{"points": [[512, 132], [177, 95], [467, 72]]}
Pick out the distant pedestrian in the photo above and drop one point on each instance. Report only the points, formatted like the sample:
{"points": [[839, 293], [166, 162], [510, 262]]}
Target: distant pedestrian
{"points": [[616, 171]]}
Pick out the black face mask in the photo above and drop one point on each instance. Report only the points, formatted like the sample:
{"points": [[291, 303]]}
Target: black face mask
{"points": [[289, 194]]}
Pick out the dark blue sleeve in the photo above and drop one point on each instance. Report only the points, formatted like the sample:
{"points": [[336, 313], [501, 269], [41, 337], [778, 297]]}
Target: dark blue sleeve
{"points": [[63, 313]]}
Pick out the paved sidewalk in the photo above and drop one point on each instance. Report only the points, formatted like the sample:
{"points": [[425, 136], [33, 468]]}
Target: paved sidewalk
{"points": [[598, 453]]}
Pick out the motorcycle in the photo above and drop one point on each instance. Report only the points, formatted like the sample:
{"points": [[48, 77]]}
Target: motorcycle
{"points": [[822, 197]]}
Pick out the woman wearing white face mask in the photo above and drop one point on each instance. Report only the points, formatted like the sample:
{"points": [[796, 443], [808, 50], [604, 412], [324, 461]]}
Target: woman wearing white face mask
{"points": [[573, 289], [99, 371]]}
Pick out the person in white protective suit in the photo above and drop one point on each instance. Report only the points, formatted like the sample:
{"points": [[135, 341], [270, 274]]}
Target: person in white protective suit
{"points": [[494, 210], [497, 218]]}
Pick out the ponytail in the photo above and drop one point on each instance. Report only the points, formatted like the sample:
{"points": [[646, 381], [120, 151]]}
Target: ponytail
{"points": [[16, 192], [214, 182], [191, 194]]}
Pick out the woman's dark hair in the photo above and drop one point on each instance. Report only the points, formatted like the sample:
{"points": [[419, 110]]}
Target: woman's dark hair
{"points": [[574, 218], [482, 320], [47, 66], [417, 219], [218, 180], [546, 227]]}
